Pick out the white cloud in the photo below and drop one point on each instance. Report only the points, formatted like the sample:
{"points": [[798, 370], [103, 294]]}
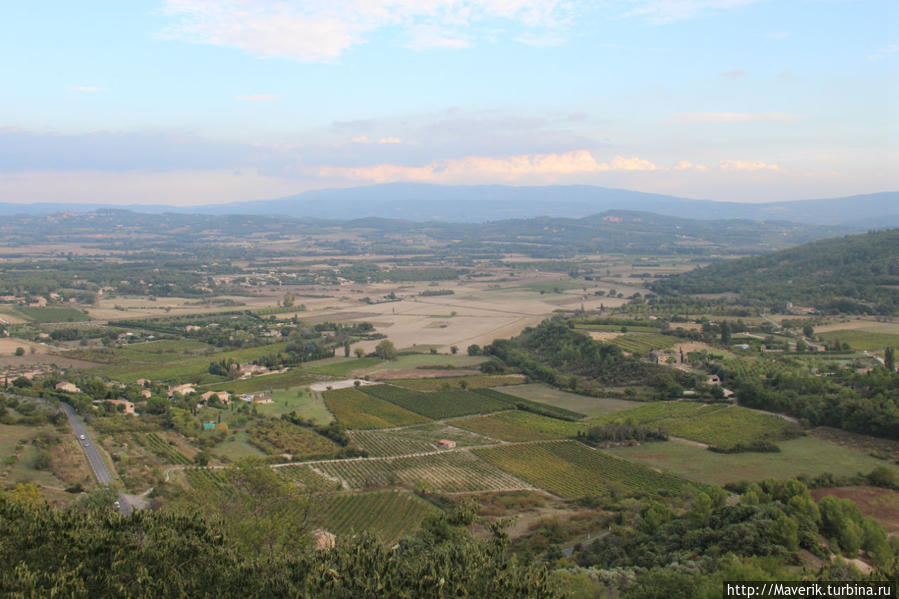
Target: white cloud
{"points": [[666, 11], [320, 30], [545, 167], [390, 140], [259, 97], [87, 89], [684, 165], [884, 52], [723, 118], [743, 166]]}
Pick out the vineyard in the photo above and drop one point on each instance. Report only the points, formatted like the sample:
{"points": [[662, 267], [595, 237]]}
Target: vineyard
{"points": [[451, 472], [570, 469], [307, 477], [440, 404], [643, 343], [165, 450], [414, 439], [279, 436], [532, 406], [519, 426], [477, 381], [200, 477], [355, 409], [715, 424], [388, 515]]}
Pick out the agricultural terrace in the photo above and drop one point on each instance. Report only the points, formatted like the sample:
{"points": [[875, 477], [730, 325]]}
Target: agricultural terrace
{"points": [[388, 515], [341, 367], [714, 424], [449, 472], [571, 469], [357, 410], [804, 456], [578, 404], [519, 425], [476, 381], [414, 439], [438, 404]]}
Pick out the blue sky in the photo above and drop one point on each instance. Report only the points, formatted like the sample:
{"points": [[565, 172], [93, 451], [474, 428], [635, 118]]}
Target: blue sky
{"points": [[195, 101]]}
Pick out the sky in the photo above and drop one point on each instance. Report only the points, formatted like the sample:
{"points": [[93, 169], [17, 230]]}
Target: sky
{"points": [[189, 102]]}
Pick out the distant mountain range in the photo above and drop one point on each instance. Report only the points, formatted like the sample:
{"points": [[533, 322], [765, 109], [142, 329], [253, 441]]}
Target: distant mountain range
{"points": [[484, 203]]}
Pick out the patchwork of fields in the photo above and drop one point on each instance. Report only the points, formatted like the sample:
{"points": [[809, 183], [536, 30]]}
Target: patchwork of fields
{"points": [[414, 439], [571, 469], [449, 472]]}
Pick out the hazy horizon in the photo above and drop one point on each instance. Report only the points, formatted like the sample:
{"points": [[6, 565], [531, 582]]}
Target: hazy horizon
{"points": [[190, 102]]}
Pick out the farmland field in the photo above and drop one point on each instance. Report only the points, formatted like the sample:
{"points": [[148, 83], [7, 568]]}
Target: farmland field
{"points": [[519, 425], [438, 404], [802, 456], [414, 439], [52, 314], [308, 478], [300, 400], [589, 406], [279, 380], [388, 515], [478, 381], [341, 367], [279, 436], [715, 424], [451, 472], [571, 469], [871, 340], [642, 343], [165, 450], [357, 410]]}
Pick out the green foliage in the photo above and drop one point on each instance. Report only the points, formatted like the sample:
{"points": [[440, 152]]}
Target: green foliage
{"points": [[386, 515], [385, 350], [854, 274], [165, 450]]}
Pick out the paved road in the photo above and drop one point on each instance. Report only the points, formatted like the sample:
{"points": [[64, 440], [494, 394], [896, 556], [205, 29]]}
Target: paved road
{"points": [[98, 464]]}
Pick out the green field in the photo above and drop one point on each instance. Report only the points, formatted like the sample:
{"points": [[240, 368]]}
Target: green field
{"points": [[642, 343], [308, 478], [804, 455], [429, 361], [388, 515], [52, 314], [414, 439], [357, 410], [714, 424], [439, 404], [589, 406], [236, 447], [297, 399], [285, 380], [519, 425], [341, 367], [450, 472], [571, 469], [477, 381], [178, 361], [863, 339], [279, 436]]}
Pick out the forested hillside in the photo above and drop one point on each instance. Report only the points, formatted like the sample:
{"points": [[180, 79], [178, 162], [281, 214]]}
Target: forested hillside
{"points": [[855, 274]]}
